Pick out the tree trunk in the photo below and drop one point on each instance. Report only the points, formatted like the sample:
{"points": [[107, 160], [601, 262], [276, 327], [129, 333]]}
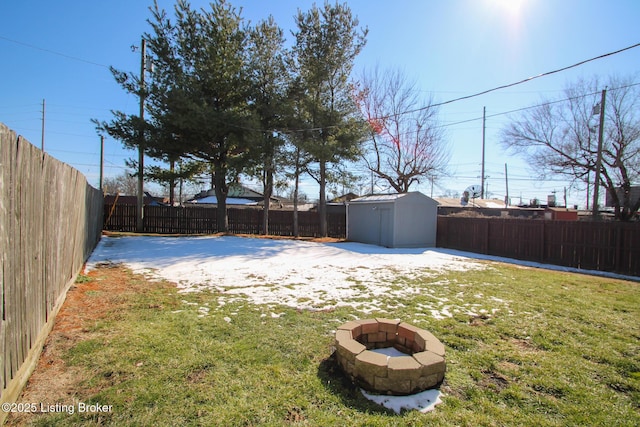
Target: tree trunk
{"points": [[172, 182], [322, 204], [267, 182], [222, 189], [296, 231]]}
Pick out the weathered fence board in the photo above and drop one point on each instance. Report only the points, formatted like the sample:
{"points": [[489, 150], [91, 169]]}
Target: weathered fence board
{"points": [[50, 221], [603, 246]]}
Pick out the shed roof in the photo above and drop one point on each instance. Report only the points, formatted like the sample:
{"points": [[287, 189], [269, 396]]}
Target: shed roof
{"points": [[378, 198]]}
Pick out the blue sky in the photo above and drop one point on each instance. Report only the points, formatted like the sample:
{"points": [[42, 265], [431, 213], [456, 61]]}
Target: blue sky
{"points": [[60, 51]]}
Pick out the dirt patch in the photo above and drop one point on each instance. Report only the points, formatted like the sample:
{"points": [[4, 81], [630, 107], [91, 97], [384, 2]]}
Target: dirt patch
{"points": [[493, 380], [92, 299]]}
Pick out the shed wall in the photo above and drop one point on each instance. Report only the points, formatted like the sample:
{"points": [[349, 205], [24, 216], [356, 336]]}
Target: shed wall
{"points": [[371, 223], [416, 222], [409, 220]]}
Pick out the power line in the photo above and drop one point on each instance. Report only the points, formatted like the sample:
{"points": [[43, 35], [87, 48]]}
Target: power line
{"points": [[484, 92], [548, 73], [557, 101], [53, 52]]}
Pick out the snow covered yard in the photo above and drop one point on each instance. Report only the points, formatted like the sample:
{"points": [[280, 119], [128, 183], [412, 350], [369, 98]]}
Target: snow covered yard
{"points": [[299, 274]]}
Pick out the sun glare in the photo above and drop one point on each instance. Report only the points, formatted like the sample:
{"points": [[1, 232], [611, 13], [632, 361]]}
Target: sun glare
{"points": [[512, 8], [510, 15]]}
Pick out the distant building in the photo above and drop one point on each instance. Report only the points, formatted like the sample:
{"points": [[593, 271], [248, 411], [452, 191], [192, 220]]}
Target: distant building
{"points": [[147, 200], [238, 195], [344, 198], [561, 214], [635, 195]]}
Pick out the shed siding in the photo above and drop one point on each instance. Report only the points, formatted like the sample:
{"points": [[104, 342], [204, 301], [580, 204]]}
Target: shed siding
{"points": [[416, 223], [374, 224], [402, 220]]}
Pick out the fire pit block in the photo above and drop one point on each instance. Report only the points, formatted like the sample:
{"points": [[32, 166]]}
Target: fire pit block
{"points": [[422, 368]]}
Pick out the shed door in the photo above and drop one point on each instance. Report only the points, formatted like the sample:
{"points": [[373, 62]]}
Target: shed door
{"points": [[385, 229]]}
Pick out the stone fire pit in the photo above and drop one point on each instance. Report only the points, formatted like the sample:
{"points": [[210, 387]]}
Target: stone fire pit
{"points": [[422, 368]]}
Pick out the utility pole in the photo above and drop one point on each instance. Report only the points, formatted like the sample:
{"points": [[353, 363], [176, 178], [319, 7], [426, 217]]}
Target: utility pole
{"points": [[140, 201], [506, 184], [596, 184], [432, 178], [42, 138], [101, 160], [484, 118]]}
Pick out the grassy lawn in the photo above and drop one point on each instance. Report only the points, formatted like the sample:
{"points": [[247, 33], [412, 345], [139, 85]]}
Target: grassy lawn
{"points": [[561, 349]]}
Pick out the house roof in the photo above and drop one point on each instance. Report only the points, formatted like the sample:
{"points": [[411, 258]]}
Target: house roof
{"points": [[213, 200], [479, 203], [236, 191], [344, 198], [147, 199]]}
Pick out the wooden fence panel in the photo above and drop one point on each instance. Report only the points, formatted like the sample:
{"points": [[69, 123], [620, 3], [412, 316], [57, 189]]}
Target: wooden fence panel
{"points": [[202, 220], [50, 221], [628, 249], [6, 172], [603, 246]]}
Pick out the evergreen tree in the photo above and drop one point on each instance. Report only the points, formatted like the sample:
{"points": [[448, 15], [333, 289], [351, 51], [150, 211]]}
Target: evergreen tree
{"points": [[268, 71], [327, 42], [200, 89]]}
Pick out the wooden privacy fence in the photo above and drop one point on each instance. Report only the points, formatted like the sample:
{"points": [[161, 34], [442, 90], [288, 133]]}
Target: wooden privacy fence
{"points": [[604, 246], [50, 221], [202, 220]]}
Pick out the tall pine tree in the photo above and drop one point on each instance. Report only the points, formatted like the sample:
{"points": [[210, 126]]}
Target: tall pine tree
{"points": [[268, 71], [200, 88], [327, 41]]}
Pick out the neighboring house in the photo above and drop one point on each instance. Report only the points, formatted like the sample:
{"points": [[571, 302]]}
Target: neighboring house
{"points": [[450, 202], [344, 198], [635, 196], [561, 214], [238, 195], [213, 200], [148, 200]]}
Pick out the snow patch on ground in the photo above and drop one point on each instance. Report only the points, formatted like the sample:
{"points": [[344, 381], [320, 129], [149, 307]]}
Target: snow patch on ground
{"points": [[304, 275], [424, 401]]}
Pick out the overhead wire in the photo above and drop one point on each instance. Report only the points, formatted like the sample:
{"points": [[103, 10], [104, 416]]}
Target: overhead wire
{"points": [[53, 52], [450, 101], [505, 86]]}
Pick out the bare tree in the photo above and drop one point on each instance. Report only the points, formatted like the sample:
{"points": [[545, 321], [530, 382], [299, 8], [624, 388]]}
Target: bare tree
{"points": [[560, 138], [125, 184], [406, 144]]}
